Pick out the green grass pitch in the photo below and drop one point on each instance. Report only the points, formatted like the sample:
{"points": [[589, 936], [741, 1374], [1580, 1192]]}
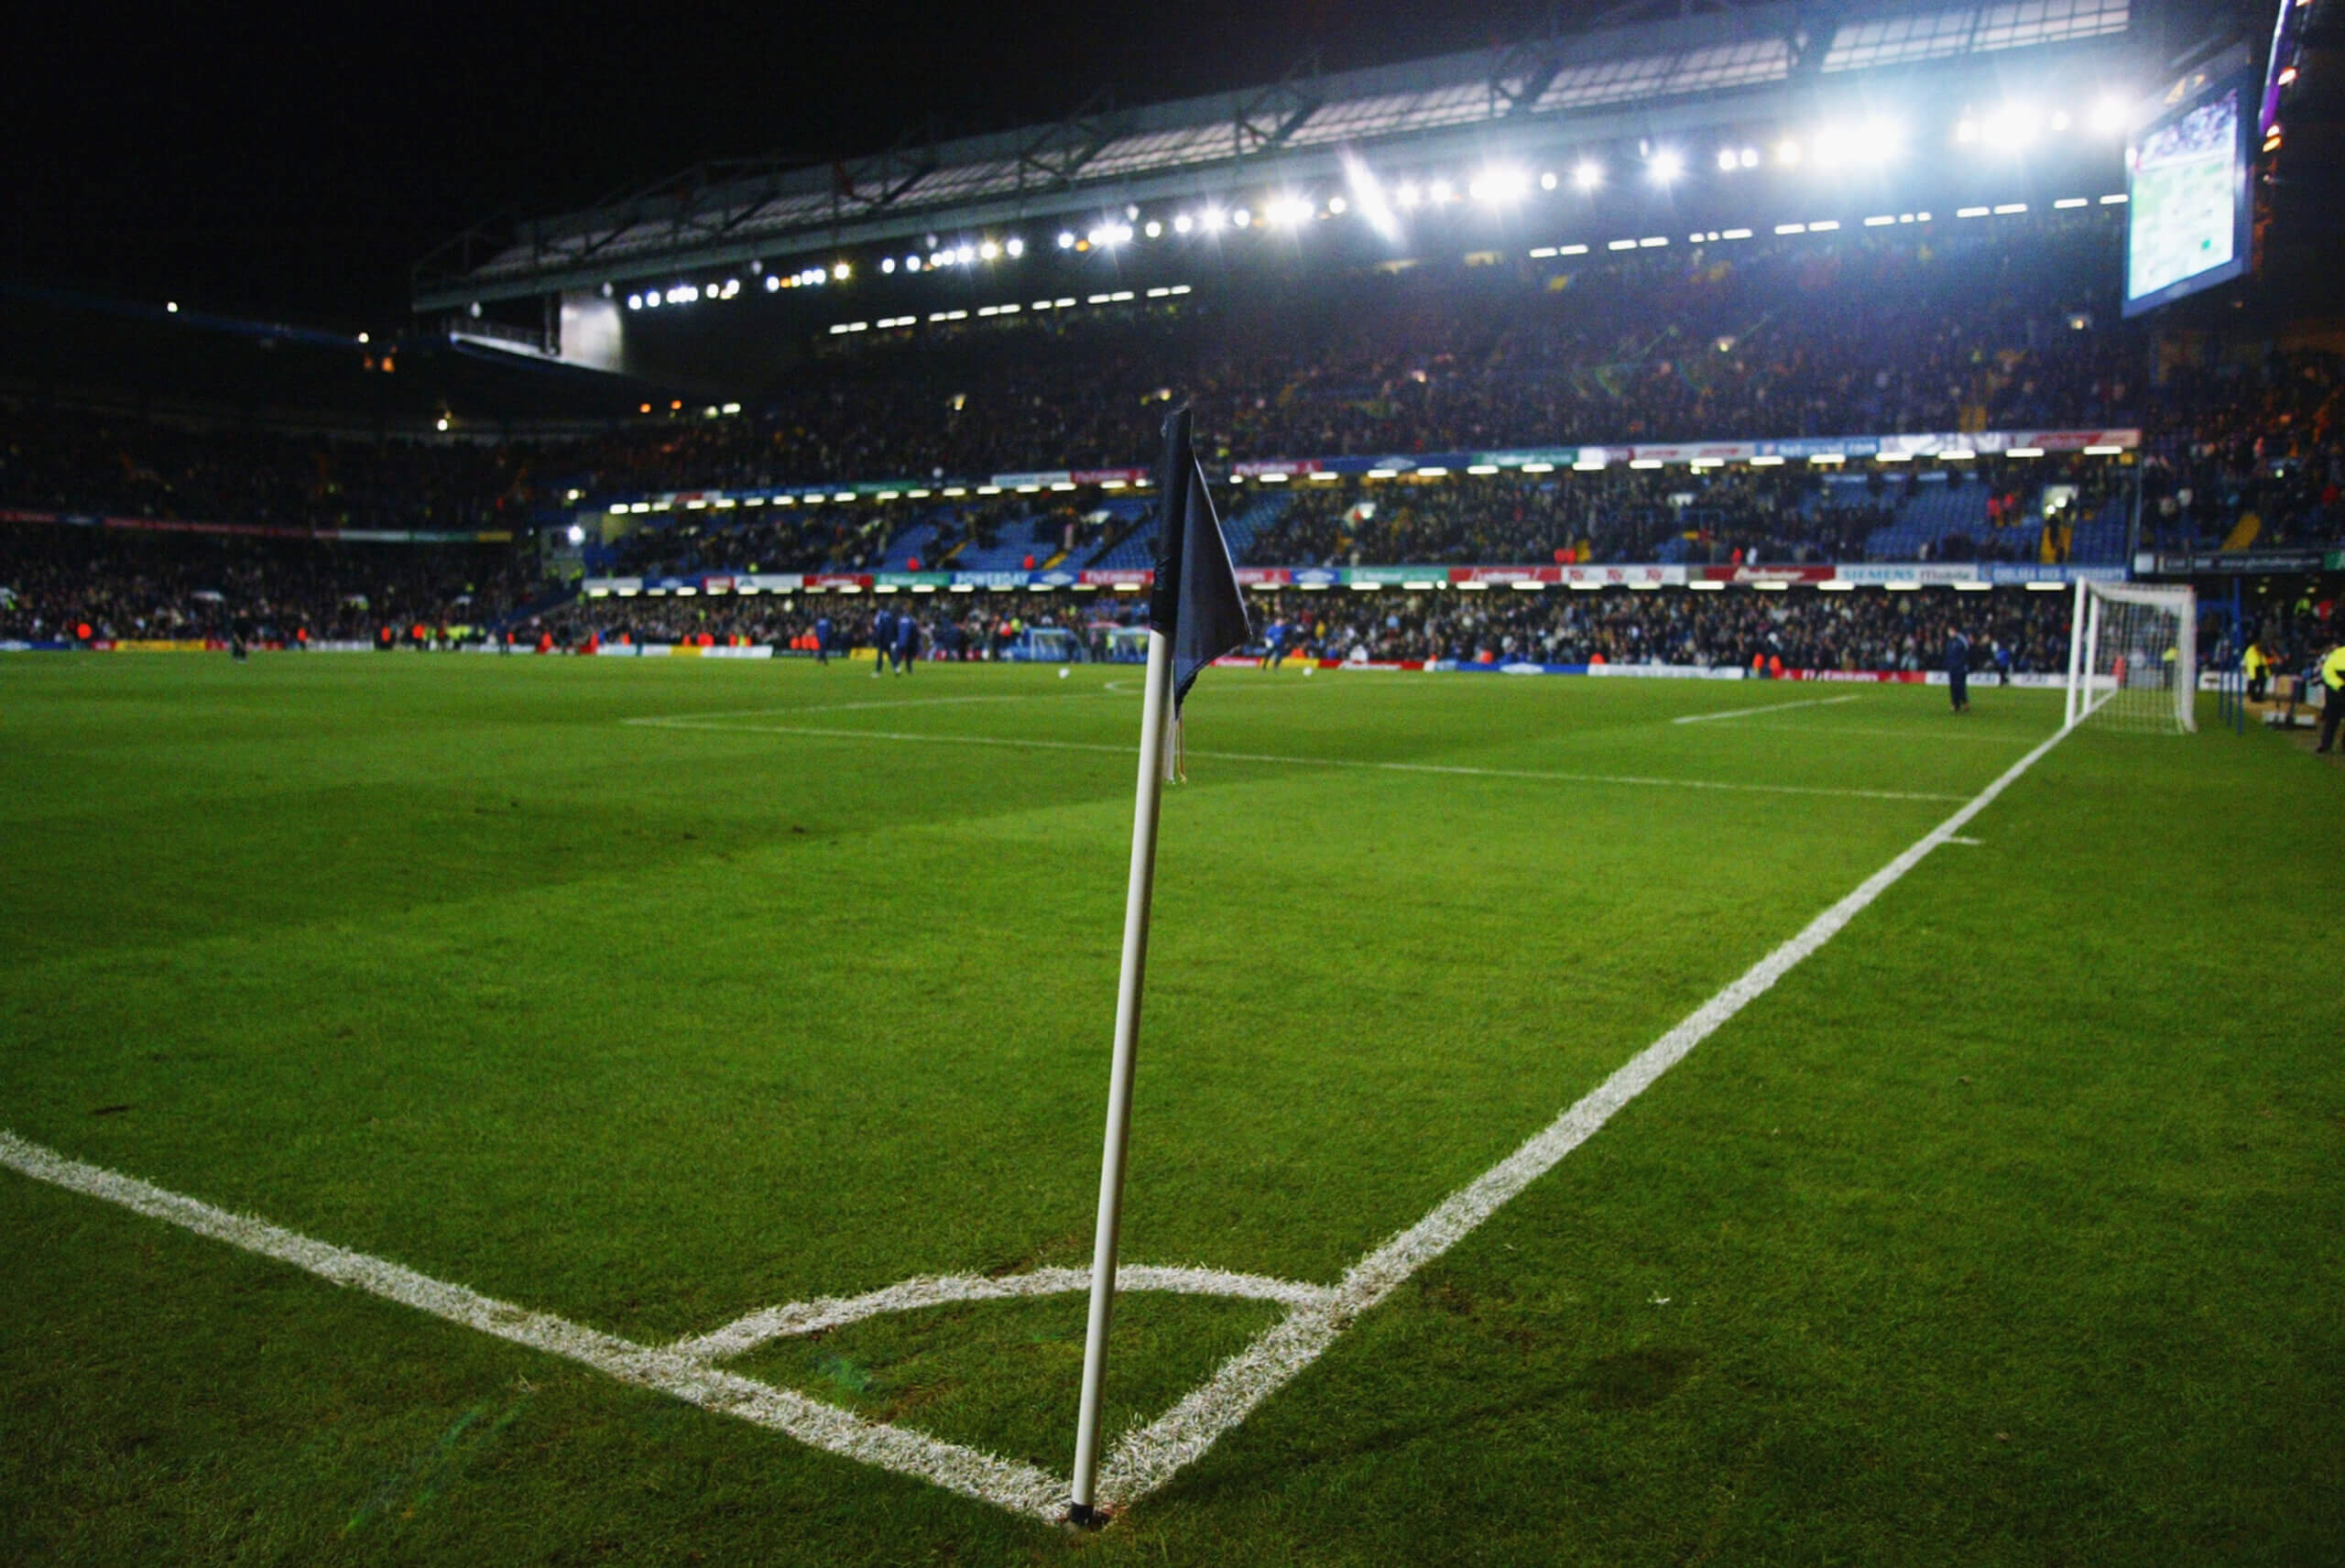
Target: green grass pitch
{"points": [[2005, 1228]]}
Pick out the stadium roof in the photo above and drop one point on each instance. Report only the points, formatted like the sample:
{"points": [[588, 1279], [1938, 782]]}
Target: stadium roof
{"points": [[1734, 62]]}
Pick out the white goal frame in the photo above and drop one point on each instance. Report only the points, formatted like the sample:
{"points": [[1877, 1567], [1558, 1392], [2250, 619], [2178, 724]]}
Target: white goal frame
{"points": [[2133, 657]]}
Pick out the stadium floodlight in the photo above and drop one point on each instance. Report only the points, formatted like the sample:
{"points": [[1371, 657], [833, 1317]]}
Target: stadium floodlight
{"points": [[576, 534], [2059, 119], [2108, 114], [1495, 185], [1439, 191], [887, 264], [1788, 152], [1339, 206], [1241, 218], [1155, 230], [1212, 219], [911, 263], [1547, 180], [841, 272], [1067, 239], [1372, 205], [1587, 174], [1013, 248], [1183, 224], [1407, 194], [1287, 211], [2011, 126], [989, 251], [1750, 157], [635, 301], [773, 282]]}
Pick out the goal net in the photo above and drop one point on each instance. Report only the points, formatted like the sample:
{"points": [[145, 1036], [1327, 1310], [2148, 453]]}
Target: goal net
{"points": [[2133, 657]]}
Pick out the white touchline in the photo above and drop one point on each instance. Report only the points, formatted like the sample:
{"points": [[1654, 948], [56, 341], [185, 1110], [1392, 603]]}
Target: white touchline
{"points": [[1021, 1488], [1115, 750], [1770, 708], [1148, 1456]]}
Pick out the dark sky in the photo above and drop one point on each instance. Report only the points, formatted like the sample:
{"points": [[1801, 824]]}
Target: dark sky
{"points": [[291, 162]]}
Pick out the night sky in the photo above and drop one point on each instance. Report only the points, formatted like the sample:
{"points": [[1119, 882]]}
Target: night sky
{"points": [[290, 164]]}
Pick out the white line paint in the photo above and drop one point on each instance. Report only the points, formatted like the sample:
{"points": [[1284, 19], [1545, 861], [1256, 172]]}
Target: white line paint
{"points": [[1147, 1457], [1930, 733], [1015, 743], [744, 1334], [1150, 1456], [1020, 1488], [1768, 708], [688, 721]]}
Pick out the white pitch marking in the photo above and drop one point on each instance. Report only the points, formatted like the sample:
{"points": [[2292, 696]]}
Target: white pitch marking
{"points": [[1974, 843], [1007, 1484], [1152, 1455], [688, 721], [746, 1333], [1117, 750], [1932, 737], [1768, 708]]}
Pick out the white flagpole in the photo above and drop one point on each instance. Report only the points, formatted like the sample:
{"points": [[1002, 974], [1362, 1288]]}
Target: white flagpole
{"points": [[1146, 801]]}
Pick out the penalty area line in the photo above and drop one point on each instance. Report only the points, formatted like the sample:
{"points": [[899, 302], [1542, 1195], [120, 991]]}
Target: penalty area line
{"points": [[1767, 708], [1149, 1456], [1535, 775]]}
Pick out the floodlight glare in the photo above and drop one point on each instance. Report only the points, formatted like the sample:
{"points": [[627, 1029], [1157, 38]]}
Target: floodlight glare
{"points": [[1727, 160], [1212, 218], [1407, 194], [773, 282], [1666, 166], [635, 301], [911, 263], [1337, 205], [1066, 240], [1183, 224], [1787, 153], [841, 272], [577, 535], [1587, 174], [2011, 127], [1241, 217], [1438, 191], [989, 250], [1750, 157], [2108, 114], [1547, 180], [1014, 248], [887, 264], [1372, 205], [1155, 229]]}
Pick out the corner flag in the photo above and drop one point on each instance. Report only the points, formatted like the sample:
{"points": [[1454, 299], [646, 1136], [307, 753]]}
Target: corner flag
{"points": [[1196, 617], [1196, 602]]}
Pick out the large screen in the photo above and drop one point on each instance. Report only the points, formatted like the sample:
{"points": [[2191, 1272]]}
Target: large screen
{"points": [[2187, 184]]}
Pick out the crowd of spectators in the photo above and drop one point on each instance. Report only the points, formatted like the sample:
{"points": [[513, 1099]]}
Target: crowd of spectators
{"points": [[1800, 629], [65, 584], [1950, 327]]}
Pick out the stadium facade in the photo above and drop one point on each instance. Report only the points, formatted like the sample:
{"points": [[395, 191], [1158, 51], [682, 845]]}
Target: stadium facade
{"points": [[1641, 129]]}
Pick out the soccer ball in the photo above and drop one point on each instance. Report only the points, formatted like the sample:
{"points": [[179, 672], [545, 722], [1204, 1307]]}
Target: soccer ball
{"points": [[1063, 674], [1308, 669]]}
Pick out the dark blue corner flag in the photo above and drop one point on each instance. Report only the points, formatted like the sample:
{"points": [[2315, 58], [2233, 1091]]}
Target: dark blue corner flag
{"points": [[1196, 602]]}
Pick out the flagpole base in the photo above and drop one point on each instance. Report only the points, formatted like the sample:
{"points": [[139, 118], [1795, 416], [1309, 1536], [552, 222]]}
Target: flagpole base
{"points": [[1083, 1516]]}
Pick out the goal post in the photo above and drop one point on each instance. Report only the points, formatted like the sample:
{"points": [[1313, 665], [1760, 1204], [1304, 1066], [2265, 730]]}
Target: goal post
{"points": [[2133, 657]]}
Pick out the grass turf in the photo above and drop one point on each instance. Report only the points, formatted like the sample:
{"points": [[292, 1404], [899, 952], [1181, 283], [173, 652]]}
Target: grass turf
{"points": [[2003, 1230]]}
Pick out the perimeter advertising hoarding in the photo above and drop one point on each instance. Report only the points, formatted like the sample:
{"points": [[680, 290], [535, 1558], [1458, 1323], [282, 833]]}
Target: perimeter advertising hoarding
{"points": [[2186, 172]]}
